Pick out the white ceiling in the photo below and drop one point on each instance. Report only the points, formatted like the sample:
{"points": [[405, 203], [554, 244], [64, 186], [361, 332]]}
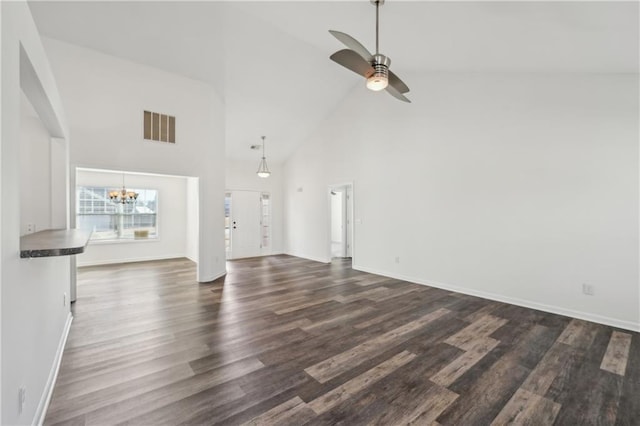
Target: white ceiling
{"points": [[270, 59]]}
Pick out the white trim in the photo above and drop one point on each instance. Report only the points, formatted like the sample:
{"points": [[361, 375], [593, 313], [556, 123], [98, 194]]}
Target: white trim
{"points": [[614, 322], [257, 255], [125, 240], [119, 172], [304, 256], [43, 406], [191, 259], [131, 260], [214, 277], [147, 259]]}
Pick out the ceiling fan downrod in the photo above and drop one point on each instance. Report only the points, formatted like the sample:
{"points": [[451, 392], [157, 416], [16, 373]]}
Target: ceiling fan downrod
{"points": [[377, 4]]}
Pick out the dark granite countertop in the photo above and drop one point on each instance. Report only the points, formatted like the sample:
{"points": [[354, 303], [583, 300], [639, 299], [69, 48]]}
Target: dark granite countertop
{"points": [[54, 242]]}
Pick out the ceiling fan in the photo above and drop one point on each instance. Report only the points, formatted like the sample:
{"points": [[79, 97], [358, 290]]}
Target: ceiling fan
{"points": [[375, 68]]}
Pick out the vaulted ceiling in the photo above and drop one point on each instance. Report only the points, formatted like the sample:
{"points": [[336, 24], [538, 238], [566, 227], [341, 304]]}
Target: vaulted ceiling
{"points": [[269, 60]]}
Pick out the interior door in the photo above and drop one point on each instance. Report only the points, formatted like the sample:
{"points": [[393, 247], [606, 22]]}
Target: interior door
{"points": [[245, 224], [341, 217], [338, 241]]}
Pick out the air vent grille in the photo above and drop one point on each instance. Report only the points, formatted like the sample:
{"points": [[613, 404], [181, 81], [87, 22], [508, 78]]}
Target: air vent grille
{"points": [[159, 127]]}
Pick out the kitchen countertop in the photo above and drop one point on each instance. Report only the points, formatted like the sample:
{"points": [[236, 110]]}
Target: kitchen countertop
{"points": [[54, 242]]}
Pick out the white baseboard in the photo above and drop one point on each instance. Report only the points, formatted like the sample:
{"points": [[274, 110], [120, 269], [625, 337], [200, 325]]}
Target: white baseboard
{"points": [[213, 277], [587, 316], [43, 405], [315, 259], [150, 258], [129, 260]]}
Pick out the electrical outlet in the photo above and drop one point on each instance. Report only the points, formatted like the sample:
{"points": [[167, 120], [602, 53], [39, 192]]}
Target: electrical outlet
{"points": [[397, 259], [22, 398], [31, 228], [588, 289]]}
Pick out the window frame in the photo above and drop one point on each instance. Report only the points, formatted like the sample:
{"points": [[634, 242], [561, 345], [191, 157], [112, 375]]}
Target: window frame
{"points": [[266, 248], [119, 240]]}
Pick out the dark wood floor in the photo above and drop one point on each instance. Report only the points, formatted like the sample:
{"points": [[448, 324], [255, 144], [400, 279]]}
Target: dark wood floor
{"points": [[282, 340]]}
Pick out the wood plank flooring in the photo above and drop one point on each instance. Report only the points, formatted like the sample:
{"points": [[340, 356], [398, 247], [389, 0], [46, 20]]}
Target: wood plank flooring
{"points": [[287, 341]]}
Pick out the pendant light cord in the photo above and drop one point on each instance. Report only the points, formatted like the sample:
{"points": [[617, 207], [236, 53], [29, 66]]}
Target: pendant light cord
{"points": [[263, 142]]}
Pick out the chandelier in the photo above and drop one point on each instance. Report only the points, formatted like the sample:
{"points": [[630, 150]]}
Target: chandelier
{"points": [[123, 196]]}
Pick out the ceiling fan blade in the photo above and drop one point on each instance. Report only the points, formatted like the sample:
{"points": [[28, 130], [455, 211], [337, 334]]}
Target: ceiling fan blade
{"points": [[352, 61], [396, 94], [397, 84], [352, 44]]}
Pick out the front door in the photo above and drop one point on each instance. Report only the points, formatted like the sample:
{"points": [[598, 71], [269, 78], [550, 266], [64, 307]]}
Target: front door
{"points": [[245, 224]]}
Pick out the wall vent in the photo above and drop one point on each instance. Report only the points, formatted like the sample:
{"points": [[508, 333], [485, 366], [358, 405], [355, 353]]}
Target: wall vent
{"points": [[159, 127]]}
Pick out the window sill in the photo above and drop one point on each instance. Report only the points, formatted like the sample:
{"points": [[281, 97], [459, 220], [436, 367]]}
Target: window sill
{"points": [[124, 241]]}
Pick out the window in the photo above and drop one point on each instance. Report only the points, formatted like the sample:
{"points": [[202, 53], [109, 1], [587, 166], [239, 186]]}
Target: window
{"points": [[108, 220], [227, 224], [265, 220]]}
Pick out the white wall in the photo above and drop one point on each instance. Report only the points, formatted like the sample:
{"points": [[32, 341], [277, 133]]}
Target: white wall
{"points": [[191, 243], [516, 187], [33, 318], [171, 219], [35, 170], [241, 176], [105, 97]]}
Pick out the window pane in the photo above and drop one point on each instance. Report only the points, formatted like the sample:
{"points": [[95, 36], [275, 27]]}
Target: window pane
{"points": [[227, 219], [111, 220], [266, 220]]}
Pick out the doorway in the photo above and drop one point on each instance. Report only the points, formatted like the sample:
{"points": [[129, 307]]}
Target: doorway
{"points": [[341, 220], [247, 224]]}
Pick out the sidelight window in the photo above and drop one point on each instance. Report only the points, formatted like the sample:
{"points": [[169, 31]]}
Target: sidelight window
{"points": [[265, 220]]}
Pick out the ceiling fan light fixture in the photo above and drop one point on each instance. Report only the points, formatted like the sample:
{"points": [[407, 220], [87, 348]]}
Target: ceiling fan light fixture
{"points": [[377, 82]]}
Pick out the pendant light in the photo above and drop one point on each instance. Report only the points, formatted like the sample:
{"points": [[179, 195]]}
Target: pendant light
{"points": [[263, 169]]}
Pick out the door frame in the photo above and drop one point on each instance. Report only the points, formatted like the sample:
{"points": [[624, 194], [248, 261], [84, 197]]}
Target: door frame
{"points": [[350, 216]]}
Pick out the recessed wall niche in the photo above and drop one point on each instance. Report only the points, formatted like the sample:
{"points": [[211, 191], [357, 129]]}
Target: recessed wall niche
{"points": [[35, 169]]}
